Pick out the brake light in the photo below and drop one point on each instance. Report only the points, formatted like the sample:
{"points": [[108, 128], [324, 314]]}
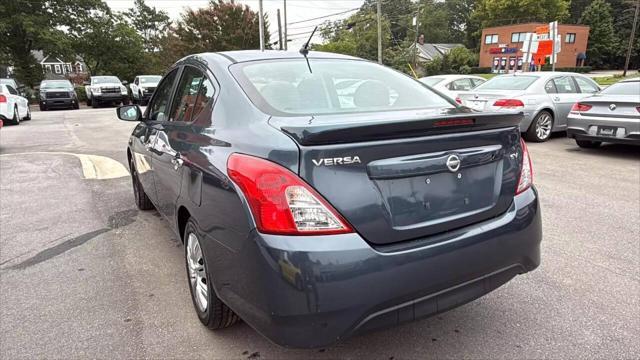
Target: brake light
{"points": [[458, 100], [638, 108], [508, 103], [3, 99], [579, 107], [280, 201], [526, 173]]}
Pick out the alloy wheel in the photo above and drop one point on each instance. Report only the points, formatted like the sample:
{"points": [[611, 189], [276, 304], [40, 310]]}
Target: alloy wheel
{"points": [[197, 273], [543, 126]]}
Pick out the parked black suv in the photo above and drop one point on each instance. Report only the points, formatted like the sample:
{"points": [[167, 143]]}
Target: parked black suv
{"points": [[57, 94]]}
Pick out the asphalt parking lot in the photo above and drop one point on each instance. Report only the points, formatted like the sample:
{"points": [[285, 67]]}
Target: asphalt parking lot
{"points": [[84, 274]]}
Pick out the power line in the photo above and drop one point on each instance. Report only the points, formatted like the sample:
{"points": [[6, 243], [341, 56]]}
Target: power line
{"points": [[322, 17]]}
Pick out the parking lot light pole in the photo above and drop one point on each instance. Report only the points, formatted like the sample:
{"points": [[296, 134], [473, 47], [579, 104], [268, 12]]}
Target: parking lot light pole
{"points": [[261, 25], [633, 33], [379, 33], [285, 24]]}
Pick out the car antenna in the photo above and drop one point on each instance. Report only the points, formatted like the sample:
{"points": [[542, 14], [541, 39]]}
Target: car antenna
{"points": [[304, 50]]}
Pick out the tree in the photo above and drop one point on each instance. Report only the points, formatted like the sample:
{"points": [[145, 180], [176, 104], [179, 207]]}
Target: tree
{"points": [[504, 12], [151, 24], [38, 25], [109, 46], [219, 27], [603, 43]]}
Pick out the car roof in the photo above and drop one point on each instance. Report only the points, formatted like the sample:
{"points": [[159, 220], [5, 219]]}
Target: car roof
{"points": [[253, 55], [454, 76], [630, 80], [542, 74]]}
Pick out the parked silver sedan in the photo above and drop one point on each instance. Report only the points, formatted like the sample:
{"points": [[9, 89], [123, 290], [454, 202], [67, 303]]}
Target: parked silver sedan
{"points": [[545, 98], [613, 116]]}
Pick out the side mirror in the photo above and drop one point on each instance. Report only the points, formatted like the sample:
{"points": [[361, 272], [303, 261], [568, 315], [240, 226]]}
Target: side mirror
{"points": [[129, 113], [124, 82]]}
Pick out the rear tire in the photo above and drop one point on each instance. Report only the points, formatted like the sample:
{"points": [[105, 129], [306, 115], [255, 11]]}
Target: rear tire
{"points": [[43, 108], [142, 200], [541, 127], [16, 117], [28, 117], [94, 104], [587, 144], [212, 312], [125, 101], [76, 106]]}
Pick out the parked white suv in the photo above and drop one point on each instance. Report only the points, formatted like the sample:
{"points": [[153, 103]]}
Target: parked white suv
{"points": [[13, 107], [143, 87], [106, 89]]}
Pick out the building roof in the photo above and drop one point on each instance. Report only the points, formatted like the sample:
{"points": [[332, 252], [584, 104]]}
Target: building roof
{"points": [[428, 52], [531, 24]]}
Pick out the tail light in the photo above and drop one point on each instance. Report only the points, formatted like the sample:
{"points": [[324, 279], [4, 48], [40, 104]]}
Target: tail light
{"points": [[458, 100], [526, 173], [508, 103], [3, 99], [638, 108], [579, 107], [281, 202]]}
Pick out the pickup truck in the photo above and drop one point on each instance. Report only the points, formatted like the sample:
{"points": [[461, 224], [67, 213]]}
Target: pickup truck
{"points": [[143, 87], [106, 89]]}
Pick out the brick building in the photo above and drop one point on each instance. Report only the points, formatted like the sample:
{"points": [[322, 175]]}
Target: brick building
{"points": [[500, 46]]}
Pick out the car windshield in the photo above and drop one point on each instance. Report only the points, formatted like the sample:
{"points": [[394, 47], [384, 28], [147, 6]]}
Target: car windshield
{"points": [[334, 86], [508, 82], [150, 79], [431, 80], [104, 79], [623, 88], [56, 85]]}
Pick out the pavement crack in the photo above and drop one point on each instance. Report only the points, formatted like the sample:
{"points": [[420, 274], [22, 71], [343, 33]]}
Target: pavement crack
{"points": [[117, 220], [61, 248]]}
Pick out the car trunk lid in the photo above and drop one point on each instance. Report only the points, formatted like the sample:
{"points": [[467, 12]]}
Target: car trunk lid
{"points": [[615, 106], [400, 176], [482, 101]]}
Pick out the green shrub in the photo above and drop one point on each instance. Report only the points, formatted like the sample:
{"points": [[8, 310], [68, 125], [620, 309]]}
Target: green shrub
{"points": [[82, 96], [480, 70], [581, 70]]}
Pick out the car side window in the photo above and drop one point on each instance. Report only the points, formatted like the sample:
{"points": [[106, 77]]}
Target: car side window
{"points": [[205, 95], [586, 86], [159, 108], [550, 87], [461, 84], [477, 82], [185, 100], [11, 90], [565, 85]]}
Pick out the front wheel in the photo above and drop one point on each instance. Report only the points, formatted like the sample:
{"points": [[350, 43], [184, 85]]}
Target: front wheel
{"points": [[89, 101], [540, 128], [587, 144], [125, 101], [212, 312]]}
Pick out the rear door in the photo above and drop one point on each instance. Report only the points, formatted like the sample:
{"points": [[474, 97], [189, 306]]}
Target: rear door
{"points": [[566, 95], [18, 101], [175, 136]]}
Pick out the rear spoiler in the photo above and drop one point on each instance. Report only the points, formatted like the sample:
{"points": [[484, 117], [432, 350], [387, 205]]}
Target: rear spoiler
{"points": [[315, 131]]}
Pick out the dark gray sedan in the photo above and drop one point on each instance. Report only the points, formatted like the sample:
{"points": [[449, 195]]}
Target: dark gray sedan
{"points": [[327, 196], [613, 116]]}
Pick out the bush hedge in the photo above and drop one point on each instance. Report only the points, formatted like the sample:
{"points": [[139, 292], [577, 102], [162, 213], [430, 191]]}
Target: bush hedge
{"points": [[480, 70], [82, 95], [581, 70]]}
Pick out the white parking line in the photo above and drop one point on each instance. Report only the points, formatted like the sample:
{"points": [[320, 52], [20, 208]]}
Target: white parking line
{"points": [[93, 166]]}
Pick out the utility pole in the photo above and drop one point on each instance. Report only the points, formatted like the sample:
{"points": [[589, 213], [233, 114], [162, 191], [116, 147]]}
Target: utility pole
{"points": [[415, 53], [379, 33], [261, 25], [279, 31], [633, 34], [285, 25]]}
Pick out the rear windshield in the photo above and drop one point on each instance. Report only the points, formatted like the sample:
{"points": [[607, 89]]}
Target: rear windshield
{"points": [[104, 79], [56, 85], [623, 88], [281, 87], [8, 82], [150, 79], [508, 82], [431, 80]]}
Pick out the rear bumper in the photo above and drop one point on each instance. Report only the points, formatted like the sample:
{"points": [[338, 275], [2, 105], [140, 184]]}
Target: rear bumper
{"points": [[585, 128], [312, 291]]}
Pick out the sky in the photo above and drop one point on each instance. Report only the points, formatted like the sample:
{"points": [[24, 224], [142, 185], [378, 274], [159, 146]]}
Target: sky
{"points": [[297, 10]]}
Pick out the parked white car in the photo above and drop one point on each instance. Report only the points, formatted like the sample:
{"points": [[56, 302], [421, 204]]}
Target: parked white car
{"points": [[451, 85], [13, 107], [143, 87], [106, 90]]}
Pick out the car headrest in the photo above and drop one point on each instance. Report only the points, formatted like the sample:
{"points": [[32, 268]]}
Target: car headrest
{"points": [[371, 93]]}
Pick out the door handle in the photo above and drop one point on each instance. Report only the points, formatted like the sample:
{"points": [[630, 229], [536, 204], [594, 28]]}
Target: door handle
{"points": [[177, 163], [556, 98]]}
